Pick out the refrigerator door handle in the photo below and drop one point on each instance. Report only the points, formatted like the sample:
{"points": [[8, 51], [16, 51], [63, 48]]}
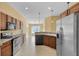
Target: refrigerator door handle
{"points": [[57, 35]]}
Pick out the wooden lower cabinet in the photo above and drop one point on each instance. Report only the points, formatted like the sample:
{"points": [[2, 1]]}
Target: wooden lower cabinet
{"points": [[6, 49], [46, 40], [53, 42], [2, 21], [50, 41], [0, 51]]}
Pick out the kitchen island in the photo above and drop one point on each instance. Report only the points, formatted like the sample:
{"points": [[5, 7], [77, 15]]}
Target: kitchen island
{"points": [[45, 38], [10, 46]]}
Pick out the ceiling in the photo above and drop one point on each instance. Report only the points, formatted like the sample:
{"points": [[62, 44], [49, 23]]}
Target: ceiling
{"points": [[35, 7]]}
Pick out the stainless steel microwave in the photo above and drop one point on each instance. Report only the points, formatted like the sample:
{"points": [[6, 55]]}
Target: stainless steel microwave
{"points": [[11, 26]]}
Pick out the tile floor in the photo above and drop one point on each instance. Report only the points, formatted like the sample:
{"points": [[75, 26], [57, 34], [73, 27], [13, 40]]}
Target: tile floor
{"points": [[29, 49]]}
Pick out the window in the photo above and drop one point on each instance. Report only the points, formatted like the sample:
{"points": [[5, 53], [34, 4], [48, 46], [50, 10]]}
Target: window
{"points": [[35, 28]]}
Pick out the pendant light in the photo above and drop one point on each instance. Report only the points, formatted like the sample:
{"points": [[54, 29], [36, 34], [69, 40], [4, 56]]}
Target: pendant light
{"points": [[68, 11], [39, 17]]}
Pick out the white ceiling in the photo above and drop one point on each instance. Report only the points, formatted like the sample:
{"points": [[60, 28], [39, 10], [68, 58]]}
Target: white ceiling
{"points": [[36, 7]]}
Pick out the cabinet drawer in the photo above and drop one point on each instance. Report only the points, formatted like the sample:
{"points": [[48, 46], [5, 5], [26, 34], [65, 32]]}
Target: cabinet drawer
{"points": [[6, 43]]}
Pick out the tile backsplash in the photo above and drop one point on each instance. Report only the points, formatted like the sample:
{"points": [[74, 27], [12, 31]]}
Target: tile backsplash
{"points": [[12, 32]]}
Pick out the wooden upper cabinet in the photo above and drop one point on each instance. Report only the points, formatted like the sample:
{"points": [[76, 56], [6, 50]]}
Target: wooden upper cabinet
{"points": [[64, 14], [14, 20], [74, 8], [5, 19], [69, 11], [20, 25], [17, 25], [3, 16], [2, 21], [0, 16], [9, 18]]}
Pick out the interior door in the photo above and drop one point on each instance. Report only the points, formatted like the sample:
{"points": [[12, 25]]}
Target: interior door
{"points": [[68, 42]]}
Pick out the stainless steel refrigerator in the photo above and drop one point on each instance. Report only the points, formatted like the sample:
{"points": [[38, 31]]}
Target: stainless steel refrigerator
{"points": [[67, 30]]}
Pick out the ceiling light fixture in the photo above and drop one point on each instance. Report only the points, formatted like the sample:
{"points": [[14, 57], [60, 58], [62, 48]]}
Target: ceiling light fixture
{"points": [[49, 8], [68, 11], [26, 8]]}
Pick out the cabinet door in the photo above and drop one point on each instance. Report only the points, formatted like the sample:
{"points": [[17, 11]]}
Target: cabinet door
{"points": [[9, 18], [20, 25], [52, 42], [46, 40], [2, 21], [0, 15], [6, 49], [14, 20], [0, 51], [17, 25]]}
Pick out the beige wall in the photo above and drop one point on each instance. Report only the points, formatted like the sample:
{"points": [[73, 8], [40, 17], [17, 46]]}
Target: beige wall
{"points": [[6, 8], [50, 24]]}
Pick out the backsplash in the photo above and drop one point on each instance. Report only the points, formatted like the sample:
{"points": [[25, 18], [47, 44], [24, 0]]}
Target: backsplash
{"points": [[11, 32]]}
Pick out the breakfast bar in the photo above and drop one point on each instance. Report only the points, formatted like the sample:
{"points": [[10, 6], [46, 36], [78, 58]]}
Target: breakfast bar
{"points": [[46, 38]]}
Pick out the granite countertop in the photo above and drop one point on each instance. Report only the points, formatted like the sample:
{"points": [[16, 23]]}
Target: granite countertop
{"points": [[45, 33], [5, 40]]}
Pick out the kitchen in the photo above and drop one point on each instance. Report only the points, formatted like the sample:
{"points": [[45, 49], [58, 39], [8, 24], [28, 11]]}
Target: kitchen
{"points": [[14, 27]]}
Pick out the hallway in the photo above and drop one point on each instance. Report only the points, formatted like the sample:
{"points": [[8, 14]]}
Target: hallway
{"points": [[29, 49]]}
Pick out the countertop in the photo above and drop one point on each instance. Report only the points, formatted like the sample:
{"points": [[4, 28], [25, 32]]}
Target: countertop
{"points": [[5, 40], [46, 33]]}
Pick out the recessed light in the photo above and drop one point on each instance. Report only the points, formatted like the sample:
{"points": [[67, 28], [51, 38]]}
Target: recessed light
{"points": [[26, 8], [49, 8]]}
